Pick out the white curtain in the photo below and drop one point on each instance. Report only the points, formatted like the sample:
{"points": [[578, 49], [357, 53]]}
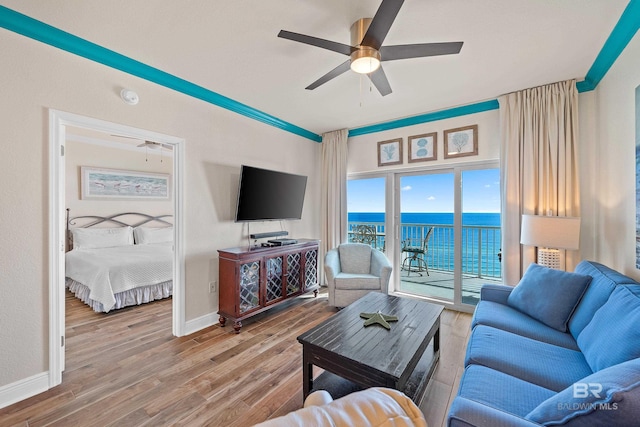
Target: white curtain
{"points": [[334, 189], [538, 163]]}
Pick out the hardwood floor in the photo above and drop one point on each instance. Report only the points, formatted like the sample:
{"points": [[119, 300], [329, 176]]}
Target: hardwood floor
{"points": [[126, 369]]}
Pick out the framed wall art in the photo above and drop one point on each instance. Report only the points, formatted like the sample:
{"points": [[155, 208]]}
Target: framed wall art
{"points": [[390, 152], [101, 183], [423, 147], [461, 142]]}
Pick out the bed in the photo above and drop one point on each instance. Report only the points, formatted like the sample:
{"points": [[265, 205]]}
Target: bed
{"points": [[119, 261]]}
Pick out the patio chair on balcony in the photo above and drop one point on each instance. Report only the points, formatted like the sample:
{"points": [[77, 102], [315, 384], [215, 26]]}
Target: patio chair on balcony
{"points": [[366, 234], [416, 255]]}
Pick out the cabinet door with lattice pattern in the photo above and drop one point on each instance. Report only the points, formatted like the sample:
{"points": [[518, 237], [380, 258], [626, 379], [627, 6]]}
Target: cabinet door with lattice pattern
{"points": [[249, 286], [311, 269], [274, 279], [294, 273]]}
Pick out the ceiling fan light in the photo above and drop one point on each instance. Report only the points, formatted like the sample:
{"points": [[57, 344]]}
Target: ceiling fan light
{"points": [[365, 60]]}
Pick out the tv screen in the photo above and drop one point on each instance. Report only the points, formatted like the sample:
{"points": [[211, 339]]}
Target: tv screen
{"points": [[269, 195]]}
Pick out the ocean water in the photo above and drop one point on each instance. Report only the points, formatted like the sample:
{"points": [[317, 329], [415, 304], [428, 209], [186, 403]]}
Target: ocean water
{"points": [[444, 218], [481, 238]]}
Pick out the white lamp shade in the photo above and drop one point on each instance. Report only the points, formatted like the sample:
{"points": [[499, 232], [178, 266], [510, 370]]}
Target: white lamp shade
{"points": [[555, 232]]}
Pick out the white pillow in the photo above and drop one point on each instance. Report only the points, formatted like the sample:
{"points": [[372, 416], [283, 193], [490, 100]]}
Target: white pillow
{"points": [[147, 235], [93, 238]]}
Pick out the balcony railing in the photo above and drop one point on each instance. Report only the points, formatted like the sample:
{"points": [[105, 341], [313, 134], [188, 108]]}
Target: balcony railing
{"points": [[480, 246]]}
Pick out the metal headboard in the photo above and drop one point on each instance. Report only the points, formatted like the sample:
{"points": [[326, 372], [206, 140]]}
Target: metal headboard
{"points": [[143, 218]]}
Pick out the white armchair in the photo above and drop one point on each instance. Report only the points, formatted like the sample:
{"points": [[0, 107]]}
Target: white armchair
{"points": [[353, 270], [374, 406]]}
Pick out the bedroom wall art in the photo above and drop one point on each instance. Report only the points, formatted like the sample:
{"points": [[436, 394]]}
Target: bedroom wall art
{"points": [[101, 183]]}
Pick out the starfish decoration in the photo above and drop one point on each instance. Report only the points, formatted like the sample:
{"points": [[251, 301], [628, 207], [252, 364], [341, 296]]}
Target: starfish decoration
{"points": [[378, 318]]}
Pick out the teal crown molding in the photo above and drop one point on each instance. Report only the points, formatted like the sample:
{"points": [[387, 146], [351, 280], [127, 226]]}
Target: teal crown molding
{"points": [[623, 32], [429, 117], [37, 30]]}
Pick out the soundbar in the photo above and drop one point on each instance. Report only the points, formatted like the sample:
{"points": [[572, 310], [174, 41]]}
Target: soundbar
{"points": [[269, 234]]}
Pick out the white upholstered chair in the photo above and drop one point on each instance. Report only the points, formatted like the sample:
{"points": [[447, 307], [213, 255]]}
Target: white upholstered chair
{"points": [[374, 406], [353, 270]]}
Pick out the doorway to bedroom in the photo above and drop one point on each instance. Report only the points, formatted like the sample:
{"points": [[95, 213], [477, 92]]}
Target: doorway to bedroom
{"points": [[105, 172]]}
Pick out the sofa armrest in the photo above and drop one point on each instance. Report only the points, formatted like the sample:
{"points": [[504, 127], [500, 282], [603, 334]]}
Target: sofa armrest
{"points": [[331, 266], [466, 412], [381, 267], [495, 292]]}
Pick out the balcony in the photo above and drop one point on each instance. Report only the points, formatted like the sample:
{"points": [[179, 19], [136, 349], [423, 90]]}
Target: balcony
{"points": [[480, 258]]}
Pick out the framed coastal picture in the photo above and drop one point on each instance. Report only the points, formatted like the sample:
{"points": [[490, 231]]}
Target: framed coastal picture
{"points": [[101, 183], [390, 152], [423, 147], [461, 142]]}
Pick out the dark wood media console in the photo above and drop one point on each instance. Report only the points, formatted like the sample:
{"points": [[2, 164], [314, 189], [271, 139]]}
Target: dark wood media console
{"points": [[253, 280]]}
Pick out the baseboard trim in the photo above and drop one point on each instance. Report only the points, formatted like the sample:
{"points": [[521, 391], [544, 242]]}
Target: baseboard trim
{"points": [[23, 389], [199, 323]]}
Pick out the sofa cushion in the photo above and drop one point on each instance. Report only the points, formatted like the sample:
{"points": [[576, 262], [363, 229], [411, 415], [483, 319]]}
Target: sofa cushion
{"points": [[613, 335], [501, 391], [606, 398], [603, 282], [548, 295], [509, 319], [357, 281], [355, 258], [537, 362]]}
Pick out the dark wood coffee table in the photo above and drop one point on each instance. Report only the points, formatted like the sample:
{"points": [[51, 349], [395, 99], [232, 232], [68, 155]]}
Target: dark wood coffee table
{"points": [[373, 356]]}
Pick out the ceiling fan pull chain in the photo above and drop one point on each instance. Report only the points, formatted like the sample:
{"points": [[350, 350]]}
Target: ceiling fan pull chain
{"points": [[146, 153]]}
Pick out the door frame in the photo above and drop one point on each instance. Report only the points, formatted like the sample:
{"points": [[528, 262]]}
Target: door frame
{"points": [[58, 121]]}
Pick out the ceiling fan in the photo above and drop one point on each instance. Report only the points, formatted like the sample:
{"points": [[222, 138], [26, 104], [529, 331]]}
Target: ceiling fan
{"points": [[148, 144], [366, 50], [156, 145]]}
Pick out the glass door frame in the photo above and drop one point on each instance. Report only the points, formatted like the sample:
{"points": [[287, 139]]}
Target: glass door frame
{"points": [[392, 221]]}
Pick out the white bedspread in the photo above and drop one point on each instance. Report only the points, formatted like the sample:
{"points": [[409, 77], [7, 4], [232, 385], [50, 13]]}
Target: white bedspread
{"points": [[108, 271]]}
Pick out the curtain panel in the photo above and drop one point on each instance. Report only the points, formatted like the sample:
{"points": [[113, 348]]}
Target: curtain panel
{"points": [[333, 190], [538, 163]]}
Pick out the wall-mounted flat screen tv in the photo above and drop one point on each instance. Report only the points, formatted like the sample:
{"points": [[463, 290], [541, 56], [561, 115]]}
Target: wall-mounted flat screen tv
{"points": [[266, 195]]}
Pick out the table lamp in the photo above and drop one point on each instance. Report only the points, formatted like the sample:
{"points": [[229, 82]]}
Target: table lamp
{"points": [[550, 234]]}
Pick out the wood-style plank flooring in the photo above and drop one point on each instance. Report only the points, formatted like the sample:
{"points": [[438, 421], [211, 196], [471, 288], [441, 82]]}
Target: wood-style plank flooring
{"points": [[126, 369]]}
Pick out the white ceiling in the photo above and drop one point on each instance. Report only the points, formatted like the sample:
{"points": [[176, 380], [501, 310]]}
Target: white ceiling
{"points": [[230, 47]]}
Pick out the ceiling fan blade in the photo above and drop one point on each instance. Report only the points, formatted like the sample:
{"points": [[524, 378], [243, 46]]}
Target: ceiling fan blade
{"points": [[379, 79], [342, 68], [345, 49], [406, 51], [381, 23]]}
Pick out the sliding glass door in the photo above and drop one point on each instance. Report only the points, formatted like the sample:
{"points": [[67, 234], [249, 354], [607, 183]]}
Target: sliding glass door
{"points": [[426, 250], [481, 258], [366, 211], [440, 228]]}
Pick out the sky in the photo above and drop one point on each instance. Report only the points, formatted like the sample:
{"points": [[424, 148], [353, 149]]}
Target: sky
{"points": [[429, 193]]}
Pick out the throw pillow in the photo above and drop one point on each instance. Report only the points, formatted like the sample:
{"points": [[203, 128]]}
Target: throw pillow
{"points": [[548, 295], [605, 398], [613, 335]]}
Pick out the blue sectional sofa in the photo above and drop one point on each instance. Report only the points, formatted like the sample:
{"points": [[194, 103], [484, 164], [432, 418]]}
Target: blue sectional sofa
{"points": [[558, 349]]}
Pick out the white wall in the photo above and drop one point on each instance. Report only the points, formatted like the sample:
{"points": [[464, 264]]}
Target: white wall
{"points": [[614, 198], [363, 155], [38, 77]]}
